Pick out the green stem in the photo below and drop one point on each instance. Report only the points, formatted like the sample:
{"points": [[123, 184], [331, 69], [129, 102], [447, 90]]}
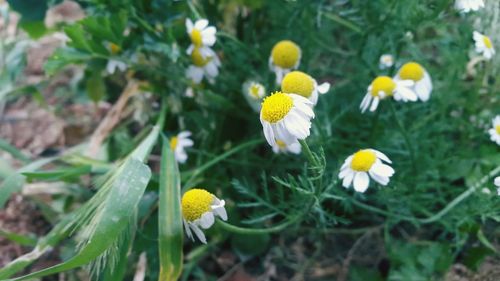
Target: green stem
{"points": [[193, 173], [343, 22], [243, 230], [316, 166], [461, 197], [305, 147], [464, 195], [405, 136]]}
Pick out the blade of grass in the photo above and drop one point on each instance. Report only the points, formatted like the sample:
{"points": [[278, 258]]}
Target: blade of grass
{"points": [[169, 216]]}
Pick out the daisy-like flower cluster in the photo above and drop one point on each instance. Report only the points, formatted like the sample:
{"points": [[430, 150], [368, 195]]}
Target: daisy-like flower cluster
{"points": [[359, 167], [483, 44], [178, 145], [204, 61], [411, 83], [199, 209]]}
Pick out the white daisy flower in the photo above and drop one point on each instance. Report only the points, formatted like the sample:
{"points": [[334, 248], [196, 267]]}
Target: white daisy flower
{"points": [[383, 87], [282, 147], [114, 64], [254, 92], [422, 84], [199, 209], [202, 36], [285, 57], [495, 131], [297, 82], [359, 167], [207, 66], [386, 61], [178, 145], [497, 183], [286, 117], [466, 6], [483, 44]]}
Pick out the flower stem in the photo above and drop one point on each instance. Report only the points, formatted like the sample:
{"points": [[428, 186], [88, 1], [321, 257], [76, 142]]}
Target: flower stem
{"points": [[405, 136], [309, 154], [243, 230]]}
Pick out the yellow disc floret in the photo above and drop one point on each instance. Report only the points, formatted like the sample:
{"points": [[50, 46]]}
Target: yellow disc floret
{"points": [[297, 82], [487, 42], [173, 142], [363, 160], [286, 54], [255, 90], [276, 107], [198, 59], [115, 49], [195, 203], [383, 84], [411, 71], [281, 144], [196, 38], [497, 128]]}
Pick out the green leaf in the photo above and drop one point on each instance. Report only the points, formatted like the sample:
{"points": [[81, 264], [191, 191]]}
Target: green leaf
{"points": [[61, 174], [127, 185], [4, 145], [16, 181], [96, 89], [35, 29], [170, 216], [45, 244], [63, 57], [106, 217], [30, 10]]}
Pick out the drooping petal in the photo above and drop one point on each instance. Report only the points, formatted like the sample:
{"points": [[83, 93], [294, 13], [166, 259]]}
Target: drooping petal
{"points": [[361, 181]]}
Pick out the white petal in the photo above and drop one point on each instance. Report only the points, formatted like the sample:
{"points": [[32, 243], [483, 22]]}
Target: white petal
{"points": [[374, 105], [207, 220], [201, 24], [381, 155], [199, 233], [187, 229], [348, 178], [382, 169], [361, 181], [268, 132], [295, 148], [189, 25], [497, 181], [323, 88]]}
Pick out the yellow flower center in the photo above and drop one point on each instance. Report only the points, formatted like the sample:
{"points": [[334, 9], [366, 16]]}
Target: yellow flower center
{"points": [[195, 203], [487, 42], [384, 84], [363, 160], [285, 54], [255, 91], [276, 106], [497, 128], [411, 71], [281, 144], [196, 37], [198, 59], [115, 49], [173, 142], [298, 82]]}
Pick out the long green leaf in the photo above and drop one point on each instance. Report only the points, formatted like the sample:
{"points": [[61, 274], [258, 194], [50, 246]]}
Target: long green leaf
{"points": [[45, 244], [127, 187], [169, 217], [15, 182]]}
